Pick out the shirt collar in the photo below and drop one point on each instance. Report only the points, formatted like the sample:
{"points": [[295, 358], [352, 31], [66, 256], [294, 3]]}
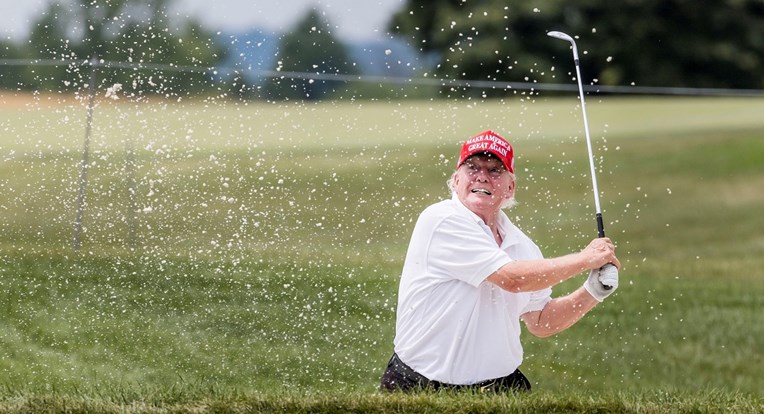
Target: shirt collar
{"points": [[507, 229]]}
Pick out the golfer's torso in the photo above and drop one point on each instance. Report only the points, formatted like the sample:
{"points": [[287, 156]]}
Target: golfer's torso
{"points": [[459, 334], [451, 327]]}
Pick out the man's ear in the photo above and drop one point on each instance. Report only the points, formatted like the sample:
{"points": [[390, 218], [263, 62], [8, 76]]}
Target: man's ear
{"points": [[512, 189]]}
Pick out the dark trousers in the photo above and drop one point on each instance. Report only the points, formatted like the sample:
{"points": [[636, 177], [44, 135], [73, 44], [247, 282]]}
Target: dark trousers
{"points": [[400, 377]]}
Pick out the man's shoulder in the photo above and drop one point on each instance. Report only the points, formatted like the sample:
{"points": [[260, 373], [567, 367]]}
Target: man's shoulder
{"points": [[444, 214], [441, 209], [443, 205]]}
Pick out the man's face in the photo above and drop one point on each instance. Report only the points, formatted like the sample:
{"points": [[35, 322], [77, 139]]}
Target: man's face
{"points": [[482, 184]]}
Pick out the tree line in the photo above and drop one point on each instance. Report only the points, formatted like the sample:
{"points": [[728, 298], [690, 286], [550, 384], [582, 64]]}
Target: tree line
{"points": [[135, 32], [678, 43]]}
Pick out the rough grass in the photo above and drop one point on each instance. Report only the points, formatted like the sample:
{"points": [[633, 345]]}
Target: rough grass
{"points": [[329, 403], [255, 267]]}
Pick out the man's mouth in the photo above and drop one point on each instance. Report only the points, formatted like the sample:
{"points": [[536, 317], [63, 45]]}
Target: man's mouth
{"points": [[480, 191]]}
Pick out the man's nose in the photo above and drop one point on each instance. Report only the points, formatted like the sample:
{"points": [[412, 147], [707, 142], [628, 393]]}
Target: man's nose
{"points": [[482, 174]]}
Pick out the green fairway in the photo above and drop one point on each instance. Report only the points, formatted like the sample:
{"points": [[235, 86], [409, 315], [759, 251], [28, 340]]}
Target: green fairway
{"points": [[247, 254]]}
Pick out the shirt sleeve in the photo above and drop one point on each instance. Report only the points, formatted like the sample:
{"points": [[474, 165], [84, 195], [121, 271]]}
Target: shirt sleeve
{"points": [[460, 249]]}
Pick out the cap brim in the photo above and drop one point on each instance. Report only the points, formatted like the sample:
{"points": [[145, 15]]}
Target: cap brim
{"points": [[489, 152]]}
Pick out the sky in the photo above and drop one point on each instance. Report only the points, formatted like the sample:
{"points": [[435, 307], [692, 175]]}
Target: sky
{"points": [[357, 19]]}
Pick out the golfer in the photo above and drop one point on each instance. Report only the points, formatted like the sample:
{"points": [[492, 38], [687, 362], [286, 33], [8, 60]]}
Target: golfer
{"points": [[470, 276]]}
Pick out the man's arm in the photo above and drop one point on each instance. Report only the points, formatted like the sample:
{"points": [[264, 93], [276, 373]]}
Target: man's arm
{"points": [[531, 275], [560, 313]]}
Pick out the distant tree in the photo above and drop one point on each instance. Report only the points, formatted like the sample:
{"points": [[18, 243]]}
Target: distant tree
{"points": [[309, 48], [488, 40], [713, 44], [645, 42], [129, 31]]}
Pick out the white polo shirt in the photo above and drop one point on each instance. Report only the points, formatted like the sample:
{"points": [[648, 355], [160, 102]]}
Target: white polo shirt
{"points": [[452, 325]]}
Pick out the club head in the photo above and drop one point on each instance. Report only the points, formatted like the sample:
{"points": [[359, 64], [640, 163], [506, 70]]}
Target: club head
{"points": [[561, 36]]}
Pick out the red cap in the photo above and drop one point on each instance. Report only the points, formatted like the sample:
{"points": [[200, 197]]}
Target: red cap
{"points": [[491, 142]]}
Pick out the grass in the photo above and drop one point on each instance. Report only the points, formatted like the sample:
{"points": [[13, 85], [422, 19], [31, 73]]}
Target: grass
{"points": [[257, 268], [210, 401]]}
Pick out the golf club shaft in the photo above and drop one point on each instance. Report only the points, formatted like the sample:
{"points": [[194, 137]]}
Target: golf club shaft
{"points": [[598, 213]]}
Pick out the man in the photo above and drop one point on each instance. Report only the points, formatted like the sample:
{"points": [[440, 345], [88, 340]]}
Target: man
{"points": [[470, 276]]}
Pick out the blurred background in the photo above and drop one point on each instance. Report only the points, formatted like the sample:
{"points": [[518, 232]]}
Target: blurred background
{"points": [[302, 49]]}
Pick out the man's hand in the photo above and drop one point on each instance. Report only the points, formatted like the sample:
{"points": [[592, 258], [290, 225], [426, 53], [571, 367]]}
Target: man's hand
{"points": [[596, 283], [598, 253]]}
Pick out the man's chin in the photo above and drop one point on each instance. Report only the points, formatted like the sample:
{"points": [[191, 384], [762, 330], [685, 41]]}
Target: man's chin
{"points": [[481, 202]]}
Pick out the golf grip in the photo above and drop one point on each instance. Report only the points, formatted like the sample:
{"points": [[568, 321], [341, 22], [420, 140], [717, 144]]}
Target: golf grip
{"points": [[601, 229], [602, 233]]}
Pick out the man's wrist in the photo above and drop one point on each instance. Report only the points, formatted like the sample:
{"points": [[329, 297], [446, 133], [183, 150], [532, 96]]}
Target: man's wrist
{"points": [[590, 290]]}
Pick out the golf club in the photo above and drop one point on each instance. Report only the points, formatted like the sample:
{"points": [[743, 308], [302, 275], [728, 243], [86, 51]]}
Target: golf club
{"points": [[598, 214]]}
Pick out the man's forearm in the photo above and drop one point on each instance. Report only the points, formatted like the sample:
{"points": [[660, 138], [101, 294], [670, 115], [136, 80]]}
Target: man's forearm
{"points": [[560, 313], [531, 275]]}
